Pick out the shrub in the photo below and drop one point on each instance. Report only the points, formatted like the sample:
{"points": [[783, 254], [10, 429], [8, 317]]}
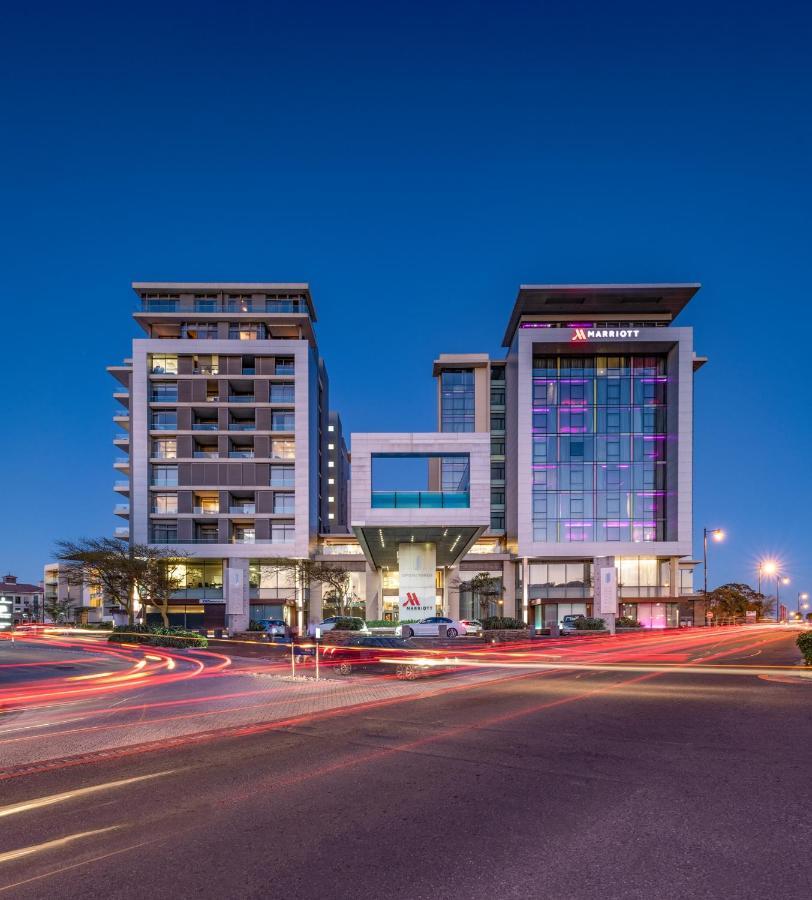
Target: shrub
{"points": [[804, 642], [502, 623], [157, 636], [345, 623], [253, 625], [626, 622], [388, 623], [589, 624]]}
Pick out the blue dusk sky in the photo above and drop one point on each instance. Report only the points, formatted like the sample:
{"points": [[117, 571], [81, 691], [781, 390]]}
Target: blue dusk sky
{"points": [[415, 163]]}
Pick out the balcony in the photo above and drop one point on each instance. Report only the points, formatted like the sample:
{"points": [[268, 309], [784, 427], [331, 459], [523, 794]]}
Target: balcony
{"points": [[240, 454], [242, 426], [421, 499], [242, 398], [206, 370], [205, 426], [122, 463], [244, 509], [243, 539], [122, 487], [123, 531], [216, 305], [122, 509], [205, 454], [122, 440], [206, 511]]}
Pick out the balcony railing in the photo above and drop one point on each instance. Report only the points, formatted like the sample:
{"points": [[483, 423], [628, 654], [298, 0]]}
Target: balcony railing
{"points": [[214, 304], [206, 511], [243, 509], [121, 509], [242, 398], [205, 426], [241, 454], [206, 370], [421, 499], [243, 539], [205, 454], [242, 426]]}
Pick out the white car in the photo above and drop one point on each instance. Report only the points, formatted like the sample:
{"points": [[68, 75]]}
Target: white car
{"points": [[430, 627], [472, 626], [330, 623]]}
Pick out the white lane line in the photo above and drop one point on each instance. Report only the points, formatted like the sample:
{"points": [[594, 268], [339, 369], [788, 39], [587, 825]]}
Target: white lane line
{"points": [[39, 802]]}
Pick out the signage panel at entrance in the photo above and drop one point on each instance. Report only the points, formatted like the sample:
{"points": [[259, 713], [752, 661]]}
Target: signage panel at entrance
{"points": [[592, 334]]}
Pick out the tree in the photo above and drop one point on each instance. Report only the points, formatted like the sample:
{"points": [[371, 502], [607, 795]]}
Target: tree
{"points": [[484, 588], [736, 600], [334, 578], [109, 562], [158, 576], [57, 610]]}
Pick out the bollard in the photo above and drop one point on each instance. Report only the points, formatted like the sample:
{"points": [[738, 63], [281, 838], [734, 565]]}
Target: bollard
{"points": [[292, 660]]}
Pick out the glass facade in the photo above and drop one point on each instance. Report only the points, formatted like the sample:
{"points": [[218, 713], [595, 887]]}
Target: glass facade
{"points": [[599, 448], [457, 400]]}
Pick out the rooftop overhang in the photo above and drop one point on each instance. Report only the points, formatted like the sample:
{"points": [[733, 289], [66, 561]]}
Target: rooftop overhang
{"points": [[595, 300], [380, 542], [460, 361]]}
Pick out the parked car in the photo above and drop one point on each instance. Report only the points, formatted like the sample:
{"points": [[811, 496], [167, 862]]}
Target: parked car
{"points": [[430, 627], [366, 652], [330, 623], [568, 623], [274, 627], [472, 626]]}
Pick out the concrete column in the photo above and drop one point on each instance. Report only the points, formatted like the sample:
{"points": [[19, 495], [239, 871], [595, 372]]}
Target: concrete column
{"points": [[509, 589], [526, 611], [452, 593], [316, 612], [235, 588], [373, 592]]}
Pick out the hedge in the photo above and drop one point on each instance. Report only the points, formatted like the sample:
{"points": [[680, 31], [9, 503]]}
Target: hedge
{"points": [[389, 623], [626, 622], [589, 624], [804, 642], [157, 636], [502, 623]]}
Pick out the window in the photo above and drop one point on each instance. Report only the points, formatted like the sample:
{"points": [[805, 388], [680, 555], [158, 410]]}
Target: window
{"points": [[164, 365], [282, 393], [246, 331], [282, 421], [498, 448], [331, 481], [281, 449], [164, 532], [165, 392], [497, 396], [165, 504], [164, 420], [283, 365], [282, 476], [244, 534], [199, 331], [498, 472], [165, 475], [284, 503], [457, 400], [497, 498], [282, 532], [331, 428], [165, 448], [497, 521], [497, 423]]}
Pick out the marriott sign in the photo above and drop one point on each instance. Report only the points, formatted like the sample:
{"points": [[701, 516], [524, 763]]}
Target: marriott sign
{"points": [[587, 334]]}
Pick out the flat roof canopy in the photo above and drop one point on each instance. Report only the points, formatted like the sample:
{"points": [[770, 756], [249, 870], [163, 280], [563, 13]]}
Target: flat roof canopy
{"points": [[598, 299], [380, 543]]}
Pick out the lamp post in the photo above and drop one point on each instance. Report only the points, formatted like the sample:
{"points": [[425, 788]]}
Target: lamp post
{"points": [[779, 580], [717, 534], [801, 596]]}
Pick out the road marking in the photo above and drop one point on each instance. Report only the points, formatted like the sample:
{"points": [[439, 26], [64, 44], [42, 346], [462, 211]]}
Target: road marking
{"points": [[71, 795], [51, 845]]}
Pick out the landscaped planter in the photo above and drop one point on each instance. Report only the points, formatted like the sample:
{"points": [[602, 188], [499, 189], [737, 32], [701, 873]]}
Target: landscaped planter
{"points": [[624, 630], [500, 635]]}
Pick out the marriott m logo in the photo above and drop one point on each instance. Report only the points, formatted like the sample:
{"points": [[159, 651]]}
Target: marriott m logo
{"points": [[580, 334], [411, 600]]}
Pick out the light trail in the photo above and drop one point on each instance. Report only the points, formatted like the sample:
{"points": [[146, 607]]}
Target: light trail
{"points": [[51, 845]]}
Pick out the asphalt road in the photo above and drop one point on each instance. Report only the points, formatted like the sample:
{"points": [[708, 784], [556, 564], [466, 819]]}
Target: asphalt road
{"points": [[563, 783]]}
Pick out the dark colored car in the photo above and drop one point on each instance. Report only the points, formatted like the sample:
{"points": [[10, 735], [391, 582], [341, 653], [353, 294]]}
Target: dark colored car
{"points": [[365, 653]]}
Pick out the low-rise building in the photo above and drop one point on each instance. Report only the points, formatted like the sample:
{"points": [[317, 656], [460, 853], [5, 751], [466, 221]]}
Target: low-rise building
{"points": [[24, 600]]}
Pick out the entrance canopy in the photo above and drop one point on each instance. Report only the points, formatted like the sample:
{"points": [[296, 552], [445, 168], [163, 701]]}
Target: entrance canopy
{"points": [[380, 543]]}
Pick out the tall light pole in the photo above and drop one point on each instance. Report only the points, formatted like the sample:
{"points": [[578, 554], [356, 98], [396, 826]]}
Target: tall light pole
{"points": [[718, 535], [779, 580], [801, 596]]}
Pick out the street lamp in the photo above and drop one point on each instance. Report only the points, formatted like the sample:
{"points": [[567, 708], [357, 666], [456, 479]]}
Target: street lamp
{"points": [[802, 596], [779, 580], [718, 535]]}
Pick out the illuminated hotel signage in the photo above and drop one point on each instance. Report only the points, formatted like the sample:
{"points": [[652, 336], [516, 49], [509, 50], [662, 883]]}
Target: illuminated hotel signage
{"points": [[590, 334]]}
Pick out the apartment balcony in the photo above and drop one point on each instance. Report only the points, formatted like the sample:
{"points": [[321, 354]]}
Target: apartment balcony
{"points": [[205, 426], [122, 509], [244, 509], [241, 454], [242, 426], [206, 370], [122, 487], [123, 531], [123, 397], [242, 398], [205, 454], [122, 463], [206, 511], [122, 440], [244, 539]]}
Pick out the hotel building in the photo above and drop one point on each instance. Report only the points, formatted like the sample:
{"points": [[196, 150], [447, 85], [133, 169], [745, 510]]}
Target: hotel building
{"points": [[562, 470]]}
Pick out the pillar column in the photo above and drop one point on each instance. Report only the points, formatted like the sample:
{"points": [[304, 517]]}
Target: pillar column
{"points": [[452, 592], [526, 612], [509, 589], [235, 588]]}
